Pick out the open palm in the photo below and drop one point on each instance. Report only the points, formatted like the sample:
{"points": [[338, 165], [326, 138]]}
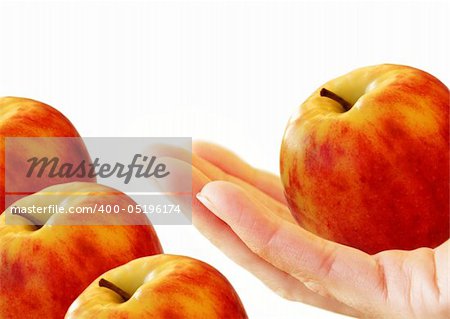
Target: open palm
{"points": [[242, 210]]}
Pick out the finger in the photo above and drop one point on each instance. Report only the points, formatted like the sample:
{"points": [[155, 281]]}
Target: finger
{"points": [[327, 268], [231, 164], [214, 173], [223, 237], [180, 153], [442, 265], [417, 280]]}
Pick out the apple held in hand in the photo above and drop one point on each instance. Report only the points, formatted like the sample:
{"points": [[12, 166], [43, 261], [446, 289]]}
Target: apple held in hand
{"points": [[21, 117], [161, 286], [365, 160], [44, 268]]}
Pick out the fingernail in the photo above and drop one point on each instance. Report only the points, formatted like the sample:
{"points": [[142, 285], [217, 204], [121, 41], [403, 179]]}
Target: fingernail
{"points": [[205, 201]]}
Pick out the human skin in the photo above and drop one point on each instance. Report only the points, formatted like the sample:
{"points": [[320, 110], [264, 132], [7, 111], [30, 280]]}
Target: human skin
{"points": [[242, 210]]}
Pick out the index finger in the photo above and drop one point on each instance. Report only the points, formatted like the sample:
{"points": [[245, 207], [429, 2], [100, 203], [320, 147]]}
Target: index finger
{"points": [[232, 164], [348, 274]]}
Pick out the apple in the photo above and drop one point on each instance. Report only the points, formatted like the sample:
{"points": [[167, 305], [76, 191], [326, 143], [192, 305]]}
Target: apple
{"points": [[46, 260], [365, 160], [21, 117], [161, 286]]}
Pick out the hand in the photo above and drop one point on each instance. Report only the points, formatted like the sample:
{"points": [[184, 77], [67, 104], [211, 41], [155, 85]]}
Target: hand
{"points": [[243, 212]]}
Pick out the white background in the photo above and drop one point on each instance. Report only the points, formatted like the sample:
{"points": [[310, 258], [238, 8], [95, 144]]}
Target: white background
{"points": [[227, 72]]}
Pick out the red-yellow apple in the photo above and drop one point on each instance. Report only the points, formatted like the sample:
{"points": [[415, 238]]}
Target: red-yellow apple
{"points": [[161, 286], [21, 117], [43, 268], [365, 160]]}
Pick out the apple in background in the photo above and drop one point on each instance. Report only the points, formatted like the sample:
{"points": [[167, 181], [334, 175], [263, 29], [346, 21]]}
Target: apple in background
{"points": [[365, 160], [44, 268], [161, 286], [21, 117]]}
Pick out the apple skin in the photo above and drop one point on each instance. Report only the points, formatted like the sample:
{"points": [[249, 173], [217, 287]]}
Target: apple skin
{"points": [[42, 271], [377, 176], [164, 287], [22, 117]]}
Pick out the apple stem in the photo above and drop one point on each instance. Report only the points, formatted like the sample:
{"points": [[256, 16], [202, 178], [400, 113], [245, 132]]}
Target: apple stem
{"points": [[107, 284], [36, 223], [331, 95]]}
